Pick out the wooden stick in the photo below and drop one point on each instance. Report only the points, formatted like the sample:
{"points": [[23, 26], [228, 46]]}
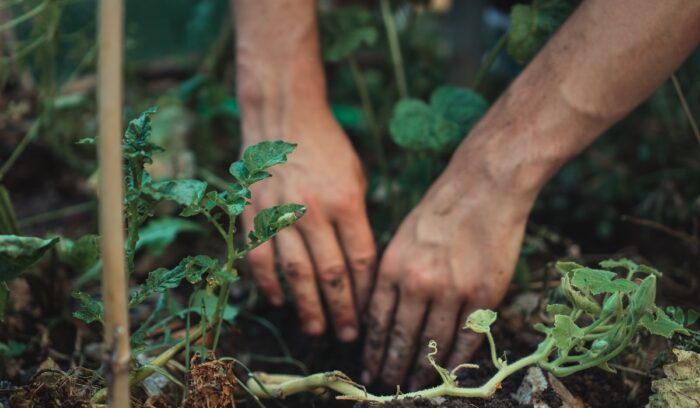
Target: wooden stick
{"points": [[114, 284]]}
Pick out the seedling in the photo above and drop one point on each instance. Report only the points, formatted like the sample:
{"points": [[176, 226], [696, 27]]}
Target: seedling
{"points": [[602, 314]]}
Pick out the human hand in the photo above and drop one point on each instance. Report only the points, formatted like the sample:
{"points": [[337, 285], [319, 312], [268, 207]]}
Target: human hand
{"points": [[454, 253], [331, 247]]}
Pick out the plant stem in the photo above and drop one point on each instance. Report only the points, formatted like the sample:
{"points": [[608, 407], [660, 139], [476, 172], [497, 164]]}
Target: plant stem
{"points": [[146, 371], [280, 386], [367, 106], [56, 214], [394, 48], [224, 290], [685, 106], [28, 137], [489, 60], [492, 345]]}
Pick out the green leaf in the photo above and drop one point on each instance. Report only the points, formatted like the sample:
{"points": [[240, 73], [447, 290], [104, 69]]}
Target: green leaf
{"points": [[532, 25], [579, 299], [160, 280], [80, 255], [229, 203], [564, 267], [184, 192], [270, 221], [480, 320], [12, 349], [625, 263], [559, 309], [136, 143], [206, 301], [19, 253], [90, 310], [440, 126], [344, 31], [412, 125], [257, 158], [160, 233], [693, 316], [598, 281], [566, 333], [659, 323], [459, 105]]}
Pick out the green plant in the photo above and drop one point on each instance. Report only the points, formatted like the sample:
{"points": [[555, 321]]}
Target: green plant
{"points": [[221, 208], [602, 314]]}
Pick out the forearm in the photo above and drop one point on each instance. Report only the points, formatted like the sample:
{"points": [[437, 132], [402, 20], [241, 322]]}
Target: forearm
{"points": [[602, 63], [279, 69]]}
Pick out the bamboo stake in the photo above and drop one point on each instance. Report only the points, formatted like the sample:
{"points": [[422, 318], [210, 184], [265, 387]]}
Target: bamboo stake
{"points": [[114, 284]]}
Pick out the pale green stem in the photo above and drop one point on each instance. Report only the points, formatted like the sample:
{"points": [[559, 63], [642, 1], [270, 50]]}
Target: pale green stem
{"points": [[394, 48], [280, 386], [492, 345], [685, 106], [489, 60]]}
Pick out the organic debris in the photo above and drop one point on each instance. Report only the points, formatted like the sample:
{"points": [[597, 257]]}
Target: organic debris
{"points": [[211, 384], [681, 387]]}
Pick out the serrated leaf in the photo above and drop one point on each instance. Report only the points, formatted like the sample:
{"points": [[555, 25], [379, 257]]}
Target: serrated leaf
{"points": [[257, 158], [532, 25], [90, 310], [268, 222], [344, 31], [480, 320], [681, 387], [564, 267], [566, 333], [17, 254], [160, 233], [160, 280], [82, 254], [184, 192], [659, 323], [559, 309], [625, 263], [136, 144], [219, 276], [598, 281]]}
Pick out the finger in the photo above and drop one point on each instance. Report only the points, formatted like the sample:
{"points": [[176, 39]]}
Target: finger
{"points": [[360, 252], [299, 272], [378, 322], [262, 264], [466, 342], [439, 327], [402, 339], [333, 278]]}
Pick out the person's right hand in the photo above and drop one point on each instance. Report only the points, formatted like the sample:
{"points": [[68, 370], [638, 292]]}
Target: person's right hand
{"points": [[330, 252]]}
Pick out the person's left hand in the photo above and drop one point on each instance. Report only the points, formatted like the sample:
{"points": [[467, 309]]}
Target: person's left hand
{"points": [[454, 253]]}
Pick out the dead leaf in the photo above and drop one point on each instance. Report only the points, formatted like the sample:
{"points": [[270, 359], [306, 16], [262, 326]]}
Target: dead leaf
{"points": [[681, 387]]}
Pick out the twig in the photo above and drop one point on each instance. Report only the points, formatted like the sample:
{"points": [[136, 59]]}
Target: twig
{"points": [[109, 149], [56, 214], [685, 106], [489, 60], [394, 48], [687, 238], [28, 137]]}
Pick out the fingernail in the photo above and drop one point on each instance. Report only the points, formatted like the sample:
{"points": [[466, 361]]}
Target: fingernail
{"points": [[366, 377], [347, 333], [314, 327]]}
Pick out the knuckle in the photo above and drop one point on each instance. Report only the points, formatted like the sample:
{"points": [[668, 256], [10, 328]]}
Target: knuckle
{"points": [[363, 262], [296, 270], [333, 276]]}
